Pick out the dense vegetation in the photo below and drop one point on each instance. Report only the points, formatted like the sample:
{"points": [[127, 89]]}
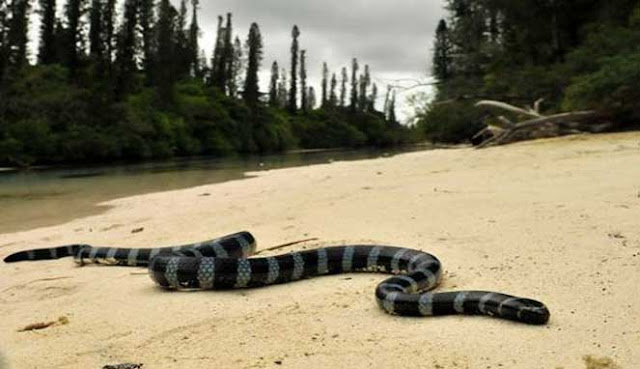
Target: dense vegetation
{"points": [[140, 87], [576, 54]]}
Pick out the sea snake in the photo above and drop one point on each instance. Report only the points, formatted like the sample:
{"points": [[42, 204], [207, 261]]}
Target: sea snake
{"points": [[224, 263]]}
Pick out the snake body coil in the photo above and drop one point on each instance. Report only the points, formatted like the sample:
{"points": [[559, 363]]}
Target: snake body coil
{"points": [[224, 263]]}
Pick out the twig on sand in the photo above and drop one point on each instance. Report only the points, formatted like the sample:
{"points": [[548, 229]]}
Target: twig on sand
{"points": [[124, 366], [286, 245], [63, 320]]}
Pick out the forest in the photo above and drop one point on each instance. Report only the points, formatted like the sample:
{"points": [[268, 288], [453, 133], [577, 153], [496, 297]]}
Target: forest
{"points": [[567, 55], [128, 80], [133, 84]]}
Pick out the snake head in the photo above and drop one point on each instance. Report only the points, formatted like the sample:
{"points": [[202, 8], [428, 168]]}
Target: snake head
{"points": [[531, 311]]}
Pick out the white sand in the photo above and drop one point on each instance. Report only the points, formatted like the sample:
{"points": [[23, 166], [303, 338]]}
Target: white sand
{"points": [[555, 220]]}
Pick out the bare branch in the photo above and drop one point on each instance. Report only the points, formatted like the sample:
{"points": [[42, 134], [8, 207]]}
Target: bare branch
{"points": [[508, 107], [536, 105], [504, 136], [558, 118]]}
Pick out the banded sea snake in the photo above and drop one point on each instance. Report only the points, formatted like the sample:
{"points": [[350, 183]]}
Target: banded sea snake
{"points": [[224, 263]]}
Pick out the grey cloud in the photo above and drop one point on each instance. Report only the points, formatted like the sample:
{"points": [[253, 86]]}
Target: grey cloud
{"points": [[393, 37]]}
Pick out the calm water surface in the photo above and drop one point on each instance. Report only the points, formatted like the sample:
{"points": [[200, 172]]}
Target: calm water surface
{"points": [[37, 198]]}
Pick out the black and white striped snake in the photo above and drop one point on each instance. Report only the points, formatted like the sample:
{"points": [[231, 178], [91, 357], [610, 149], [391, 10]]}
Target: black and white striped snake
{"points": [[224, 263]]}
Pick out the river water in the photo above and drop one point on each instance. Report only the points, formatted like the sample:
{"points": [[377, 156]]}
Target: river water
{"points": [[45, 197]]}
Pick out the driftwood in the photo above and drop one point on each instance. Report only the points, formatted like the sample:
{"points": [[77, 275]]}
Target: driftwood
{"points": [[536, 126]]}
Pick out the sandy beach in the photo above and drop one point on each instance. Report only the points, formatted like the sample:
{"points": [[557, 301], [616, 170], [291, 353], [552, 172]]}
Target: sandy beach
{"points": [[555, 220]]}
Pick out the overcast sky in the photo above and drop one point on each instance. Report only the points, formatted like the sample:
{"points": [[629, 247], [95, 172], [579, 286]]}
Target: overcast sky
{"points": [[394, 37]]}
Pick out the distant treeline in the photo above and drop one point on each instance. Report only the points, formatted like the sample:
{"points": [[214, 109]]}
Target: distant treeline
{"points": [[141, 87], [574, 54]]}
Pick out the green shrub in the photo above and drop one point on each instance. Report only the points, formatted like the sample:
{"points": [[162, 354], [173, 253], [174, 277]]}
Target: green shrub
{"points": [[614, 88], [452, 122]]}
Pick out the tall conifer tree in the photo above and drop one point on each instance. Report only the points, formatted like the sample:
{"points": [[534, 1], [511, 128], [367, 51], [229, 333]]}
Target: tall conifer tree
{"points": [[194, 47], [293, 88], [311, 99], [283, 97], [333, 97], [165, 66], [4, 30], [354, 86], [325, 77], [343, 87], [17, 37], [147, 30], [273, 84], [251, 93], [109, 18], [365, 81], [228, 55], [303, 81], [126, 49], [373, 98], [391, 117], [74, 10], [217, 61], [47, 48], [238, 68], [96, 43], [441, 67], [183, 52]]}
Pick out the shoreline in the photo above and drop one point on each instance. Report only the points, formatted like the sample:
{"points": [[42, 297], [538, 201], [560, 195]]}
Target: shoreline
{"points": [[60, 195], [550, 219]]}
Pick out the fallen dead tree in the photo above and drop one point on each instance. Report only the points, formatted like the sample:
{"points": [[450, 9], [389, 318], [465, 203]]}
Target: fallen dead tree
{"points": [[535, 125]]}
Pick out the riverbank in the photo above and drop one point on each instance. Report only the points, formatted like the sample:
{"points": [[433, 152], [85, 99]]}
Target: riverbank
{"points": [[554, 220], [47, 197]]}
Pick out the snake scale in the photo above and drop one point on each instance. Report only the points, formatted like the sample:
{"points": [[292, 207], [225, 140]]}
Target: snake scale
{"points": [[224, 263]]}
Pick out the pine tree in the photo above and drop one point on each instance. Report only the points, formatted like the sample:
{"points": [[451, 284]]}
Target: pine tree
{"points": [[109, 29], [47, 51], [303, 80], [354, 85], [343, 88], [293, 89], [283, 96], [238, 71], [74, 10], [165, 74], [251, 93], [391, 108], [217, 61], [204, 67], [4, 30], [441, 67], [387, 99], [126, 49], [60, 42], [333, 98], [96, 44], [228, 55], [194, 47], [373, 98], [365, 81], [273, 85], [147, 22], [325, 77], [17, 37], [311, 99], [182, 54]]}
